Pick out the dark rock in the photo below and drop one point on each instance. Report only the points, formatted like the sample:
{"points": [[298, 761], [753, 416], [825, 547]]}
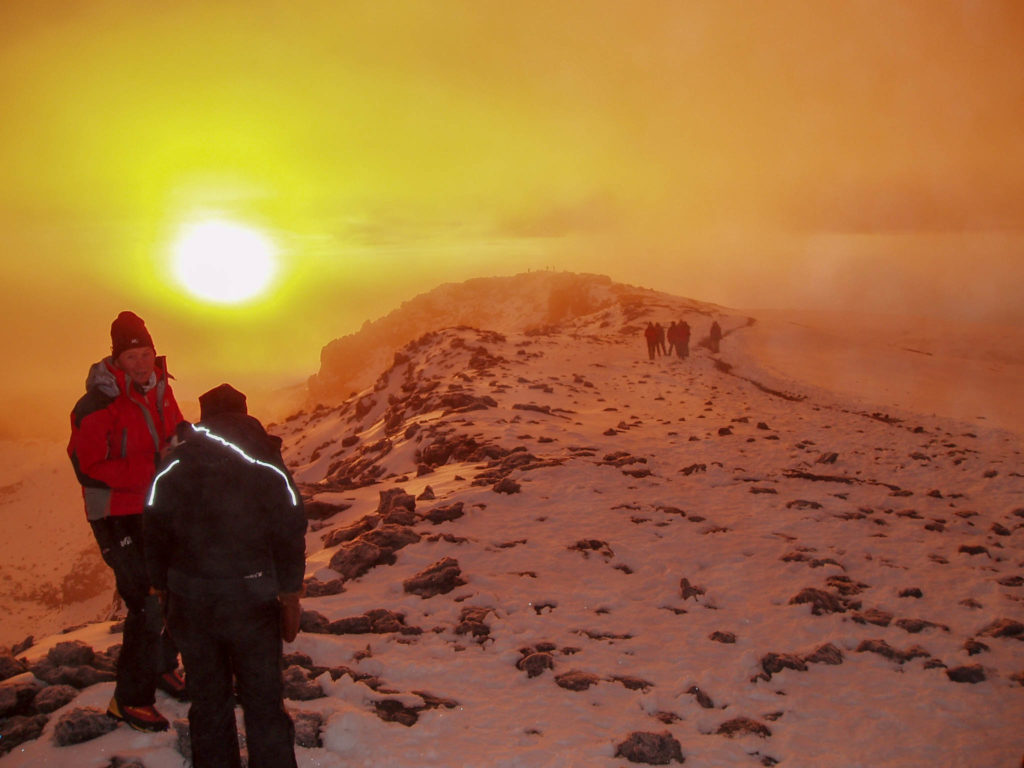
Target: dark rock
{"points": [[83, 724], [352, 625], [911, 592], [535, 663], [743, 726], [575, 680], [15, 731], [377, 621], [307, 728], [17, 696], [53, 697], [913, 626], [1003, 628], [313, 622], [10, 666], [633, 683], [73, 653], [593, 545], [688, 590], [650, 748], [349, 532], [354, 558], [445, 513], [507, 485], [438, 579], [79, 677], [391, 537], [316, 588], [820, 601], [394, 711], [427, 494], [321, 510], [702, 697], [471, 621], [974, 647], [873, 616], [24, 645], [125, 762], [884, 649], [723, 637], [773, 663], [299, 686], [971, 674], [973, 549], [825, 654]]}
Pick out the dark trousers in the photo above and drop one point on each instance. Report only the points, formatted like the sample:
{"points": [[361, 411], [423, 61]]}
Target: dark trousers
{"points": [[147, 650], [221, 639]]}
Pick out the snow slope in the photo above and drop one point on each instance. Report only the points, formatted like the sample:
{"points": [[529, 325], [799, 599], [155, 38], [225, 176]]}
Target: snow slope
{"points": [[759, 569]]}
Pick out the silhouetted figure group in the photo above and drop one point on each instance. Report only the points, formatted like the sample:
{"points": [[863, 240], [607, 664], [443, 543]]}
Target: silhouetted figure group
{"points": [[678, 338]]}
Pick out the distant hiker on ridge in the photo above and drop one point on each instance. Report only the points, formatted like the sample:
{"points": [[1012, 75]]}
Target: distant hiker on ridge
{"points": [[671, 336], [661, 338], [683, 340], [715, 336], [651, 334], [119, 429], [226, 546]]}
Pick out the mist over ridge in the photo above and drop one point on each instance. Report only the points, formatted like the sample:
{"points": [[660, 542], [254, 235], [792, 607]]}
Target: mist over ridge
{"points": [[518, 303]]}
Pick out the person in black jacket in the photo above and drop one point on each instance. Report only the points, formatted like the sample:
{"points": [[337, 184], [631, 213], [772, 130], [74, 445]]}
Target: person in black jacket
{"points": [[225, 548]]}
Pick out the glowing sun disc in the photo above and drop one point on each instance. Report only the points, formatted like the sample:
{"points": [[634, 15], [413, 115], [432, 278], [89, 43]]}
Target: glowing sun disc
{"points": [[224, 262]]}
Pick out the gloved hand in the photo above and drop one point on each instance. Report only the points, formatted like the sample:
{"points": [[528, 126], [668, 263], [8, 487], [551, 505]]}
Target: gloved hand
{"points": [[291, 612]]}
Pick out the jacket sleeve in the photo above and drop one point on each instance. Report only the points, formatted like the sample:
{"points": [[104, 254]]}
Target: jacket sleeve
{"points": [[289, 536], [158, 521]]}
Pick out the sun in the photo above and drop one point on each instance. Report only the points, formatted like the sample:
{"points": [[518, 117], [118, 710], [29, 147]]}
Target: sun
{"points": [[224, 262]]}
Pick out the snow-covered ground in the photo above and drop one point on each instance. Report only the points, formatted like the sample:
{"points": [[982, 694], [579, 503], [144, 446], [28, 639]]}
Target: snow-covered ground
{"points": [[776, 554]]}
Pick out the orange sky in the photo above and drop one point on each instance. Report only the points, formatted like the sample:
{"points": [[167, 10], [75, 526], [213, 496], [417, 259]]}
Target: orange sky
{"points": [[864, 154]]}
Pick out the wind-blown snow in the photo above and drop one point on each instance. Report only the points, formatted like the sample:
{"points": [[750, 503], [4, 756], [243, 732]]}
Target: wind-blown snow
{"points": [[694, 545]]}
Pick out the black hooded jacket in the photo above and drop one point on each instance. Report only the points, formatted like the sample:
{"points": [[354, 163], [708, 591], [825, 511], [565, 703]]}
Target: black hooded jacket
{"points": [[223, 518]]}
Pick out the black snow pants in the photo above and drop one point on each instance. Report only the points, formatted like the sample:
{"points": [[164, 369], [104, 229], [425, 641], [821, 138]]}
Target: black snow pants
{"points": [[221, 639], [147, 650]]}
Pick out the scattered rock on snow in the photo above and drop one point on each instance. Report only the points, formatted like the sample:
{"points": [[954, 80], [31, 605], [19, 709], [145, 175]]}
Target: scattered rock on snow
{"points": [[743, 726], [299, 685], [820, 601], [967, 674], [82, 724], [576, 680], [1003, 628], [438, 579], [53, 697], [650, 748], [535, 662], [19, 729]]}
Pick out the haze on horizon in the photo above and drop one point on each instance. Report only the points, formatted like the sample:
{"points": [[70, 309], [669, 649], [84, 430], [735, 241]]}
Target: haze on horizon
{"points": [[858, 155]]}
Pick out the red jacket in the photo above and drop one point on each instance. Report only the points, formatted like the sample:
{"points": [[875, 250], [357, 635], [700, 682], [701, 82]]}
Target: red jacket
{"points": [[117, 432]]}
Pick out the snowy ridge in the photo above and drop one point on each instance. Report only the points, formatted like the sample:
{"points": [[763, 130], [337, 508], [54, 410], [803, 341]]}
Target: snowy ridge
{"points": [[543, 549], [519, 303]]}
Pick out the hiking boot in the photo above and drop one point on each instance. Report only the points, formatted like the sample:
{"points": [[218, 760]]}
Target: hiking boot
{"points": [[139, 718], [173, 684]]}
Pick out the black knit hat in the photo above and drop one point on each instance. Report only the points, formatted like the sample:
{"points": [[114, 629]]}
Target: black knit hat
{"points": [[127, 332], [222, 399]]}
